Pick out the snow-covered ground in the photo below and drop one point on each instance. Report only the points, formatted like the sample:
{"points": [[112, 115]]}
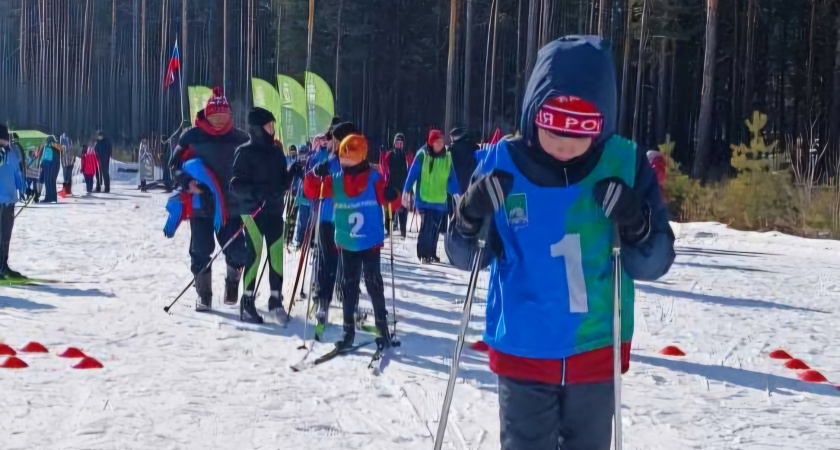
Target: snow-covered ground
{"points": [[199, 381]]}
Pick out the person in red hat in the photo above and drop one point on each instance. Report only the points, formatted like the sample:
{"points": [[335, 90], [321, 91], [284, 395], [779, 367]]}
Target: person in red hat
{"points": [[214, 141], [434, 176], [556, 201]]}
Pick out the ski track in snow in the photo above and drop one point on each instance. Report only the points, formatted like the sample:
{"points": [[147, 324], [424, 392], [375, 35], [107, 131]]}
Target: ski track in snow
{"points": [[192, 380]]}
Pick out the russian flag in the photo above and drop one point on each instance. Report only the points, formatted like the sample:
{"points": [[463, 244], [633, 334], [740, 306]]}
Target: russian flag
{"points": [[174, 66]]}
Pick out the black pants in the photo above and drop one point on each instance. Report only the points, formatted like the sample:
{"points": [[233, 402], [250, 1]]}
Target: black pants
{"points": [[68, 176], [401, 216], [7, 222], [327, 263], [89, 182], [268, 228], [202, 243], [354, 263], [536, 416], [103, 173], [49, 176], [429, 231]]}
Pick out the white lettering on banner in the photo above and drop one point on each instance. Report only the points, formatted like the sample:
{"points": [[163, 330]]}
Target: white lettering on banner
{"points": [[355, 205], [571, 122]]}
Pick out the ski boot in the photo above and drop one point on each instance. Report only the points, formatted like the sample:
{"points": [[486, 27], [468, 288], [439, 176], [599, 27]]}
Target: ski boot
{"points": [[204, 288], [232, 285], [248, 310], [384, 340], [346, 342], [322, 317], [275, 308]]}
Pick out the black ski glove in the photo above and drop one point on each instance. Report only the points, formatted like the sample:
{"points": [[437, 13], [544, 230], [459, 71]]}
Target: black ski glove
{"points": [[321, 170], [621, 205], [483, 198]]}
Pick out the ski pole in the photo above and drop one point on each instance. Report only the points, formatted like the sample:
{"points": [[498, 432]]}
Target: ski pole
{"points": [[23, 207], [210, 264], [317, 247], [465, 321], [617, 338], [259, 280], [393, 287]]}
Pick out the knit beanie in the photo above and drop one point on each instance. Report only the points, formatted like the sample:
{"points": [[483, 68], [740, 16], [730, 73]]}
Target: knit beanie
{"points": [[259, 117], [353, 150], [399, 138], [342, 130], [572, 116], [433, 136], [217, 104], [4, 133]]}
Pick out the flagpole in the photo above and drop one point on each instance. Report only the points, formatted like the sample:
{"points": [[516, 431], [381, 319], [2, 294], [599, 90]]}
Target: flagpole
{"points": [[180, 82]]}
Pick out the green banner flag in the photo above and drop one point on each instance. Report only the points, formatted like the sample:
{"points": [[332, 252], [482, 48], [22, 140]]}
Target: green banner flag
{"points": [[321, 104], [293, 100], [266, 97], [198, 99]]}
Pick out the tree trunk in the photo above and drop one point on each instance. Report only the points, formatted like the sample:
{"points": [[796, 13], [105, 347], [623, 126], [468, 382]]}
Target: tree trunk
{"points": [[533, 37], [216, 32], [662, 96], [810, 67], [338, 33], [628, 36], [604, 14], [453, 63], [468, 63], [640, 69], [747, 105], [704, 122], [835, 97]]}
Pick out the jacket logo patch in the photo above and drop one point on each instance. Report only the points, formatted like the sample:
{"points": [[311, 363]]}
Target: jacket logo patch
{"points": [[516, 206]]}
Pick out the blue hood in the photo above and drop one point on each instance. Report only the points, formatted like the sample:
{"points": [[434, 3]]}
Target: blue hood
{"points": [[581, 66]]}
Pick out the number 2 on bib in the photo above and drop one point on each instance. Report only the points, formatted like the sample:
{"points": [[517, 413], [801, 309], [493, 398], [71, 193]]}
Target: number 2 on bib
{"points": [[358, 221], [569, 249]]}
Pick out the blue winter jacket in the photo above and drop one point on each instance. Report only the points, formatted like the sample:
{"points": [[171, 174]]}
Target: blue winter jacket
{"points": [[12, 185], [590, 76]]}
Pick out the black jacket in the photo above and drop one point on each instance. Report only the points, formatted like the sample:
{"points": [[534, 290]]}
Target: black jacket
{"points": [[398, 168], [103, 149], [463, 159], [217, 153], [260, 174]]}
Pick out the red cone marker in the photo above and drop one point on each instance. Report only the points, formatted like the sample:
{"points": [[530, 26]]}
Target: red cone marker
{"points": [[13, 363], [34, 347], [5, 350], [88, 363], [796, 364], [780, 354], [72, 352], [812, 376], [672, 350]]}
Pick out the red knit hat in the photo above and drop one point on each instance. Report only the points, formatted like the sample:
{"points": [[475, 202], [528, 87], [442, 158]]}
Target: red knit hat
{"points": [[217, 104], [433, 136], [571, 116]]}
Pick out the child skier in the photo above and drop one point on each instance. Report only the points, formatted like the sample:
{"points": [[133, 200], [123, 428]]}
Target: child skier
{"points": [[554, 198], [358, 194], [434, 175], [89, 166], [259, 178]]}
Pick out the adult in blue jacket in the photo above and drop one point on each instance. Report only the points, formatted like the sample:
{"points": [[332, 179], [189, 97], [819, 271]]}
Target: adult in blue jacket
{"points": [[555, 198], [12, 189]]}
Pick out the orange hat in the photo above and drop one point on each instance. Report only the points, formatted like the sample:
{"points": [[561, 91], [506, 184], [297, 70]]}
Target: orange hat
{"points": [[353, 150]]}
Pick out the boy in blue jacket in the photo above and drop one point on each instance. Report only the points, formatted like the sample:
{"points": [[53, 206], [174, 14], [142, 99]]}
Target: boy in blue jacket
{"points": [[12, 189], [554, 198]]}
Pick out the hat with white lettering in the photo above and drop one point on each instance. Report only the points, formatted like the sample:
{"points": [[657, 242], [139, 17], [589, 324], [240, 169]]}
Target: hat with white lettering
{"points": [[572, 116]]}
